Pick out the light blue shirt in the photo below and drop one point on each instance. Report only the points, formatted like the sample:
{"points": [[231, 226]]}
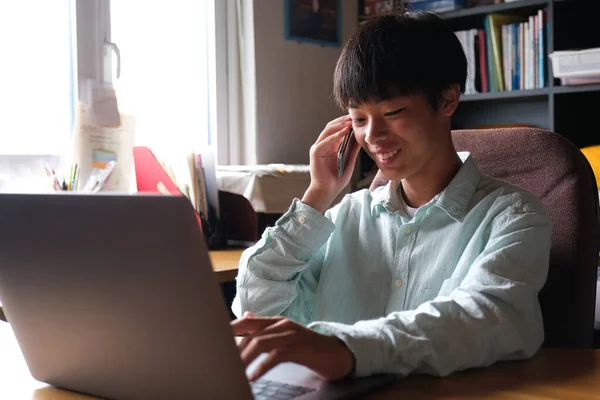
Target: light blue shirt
{"points": [[454, 287]]}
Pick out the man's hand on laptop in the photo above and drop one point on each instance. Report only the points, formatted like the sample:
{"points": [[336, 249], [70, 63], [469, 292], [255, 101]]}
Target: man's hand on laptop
{"points": [[288, 341]]}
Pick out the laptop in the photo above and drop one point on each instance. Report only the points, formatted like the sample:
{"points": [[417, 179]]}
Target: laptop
{"points": [[114, 296]]}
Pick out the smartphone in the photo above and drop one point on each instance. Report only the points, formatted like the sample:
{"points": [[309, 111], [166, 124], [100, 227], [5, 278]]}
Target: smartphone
{"points": [[344, 152]]}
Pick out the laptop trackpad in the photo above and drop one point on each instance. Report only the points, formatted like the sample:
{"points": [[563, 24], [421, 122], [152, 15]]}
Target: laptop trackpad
{"points": [[297, 375], [290, 373]]}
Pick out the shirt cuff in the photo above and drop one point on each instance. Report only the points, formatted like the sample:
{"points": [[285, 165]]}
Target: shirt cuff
{"points": [[308, 227], [363, 340]]}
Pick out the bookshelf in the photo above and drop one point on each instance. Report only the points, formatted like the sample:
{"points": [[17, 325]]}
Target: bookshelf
{"points": [[532, 93], [541, 93], [570, 24], [567, 110], [495, 8]]}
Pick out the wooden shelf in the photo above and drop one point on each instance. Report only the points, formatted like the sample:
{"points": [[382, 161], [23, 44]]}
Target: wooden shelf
{"points": [[493, 8], [531, 93]]}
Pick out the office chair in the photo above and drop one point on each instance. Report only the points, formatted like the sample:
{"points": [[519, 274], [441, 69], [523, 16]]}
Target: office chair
{"points": [[240, 221], [549, 166]]}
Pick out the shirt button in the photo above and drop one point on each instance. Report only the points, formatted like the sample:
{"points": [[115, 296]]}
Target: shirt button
{"points": [[398, 282], [301, 220], [407, 230]]}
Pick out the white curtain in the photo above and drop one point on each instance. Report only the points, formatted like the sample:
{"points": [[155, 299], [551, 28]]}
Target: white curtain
{"points": [[237, 143]]}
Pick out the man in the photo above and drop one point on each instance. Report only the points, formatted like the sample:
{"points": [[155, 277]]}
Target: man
{"points": [[436, 272]]}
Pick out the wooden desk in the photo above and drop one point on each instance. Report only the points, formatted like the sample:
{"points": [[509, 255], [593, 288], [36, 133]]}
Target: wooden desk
{"points": [[552, 374], [225, 263]]}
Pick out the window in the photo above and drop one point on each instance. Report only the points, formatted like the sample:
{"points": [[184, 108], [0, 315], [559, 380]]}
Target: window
{"points": [[51, 48], [36, 76], [164, 78]]}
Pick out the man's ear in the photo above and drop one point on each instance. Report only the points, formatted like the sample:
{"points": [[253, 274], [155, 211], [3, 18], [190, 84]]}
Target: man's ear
{"points": [[450, 100]]}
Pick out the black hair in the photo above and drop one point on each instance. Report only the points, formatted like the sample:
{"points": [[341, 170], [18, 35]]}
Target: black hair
{"points": [[398, 54]]}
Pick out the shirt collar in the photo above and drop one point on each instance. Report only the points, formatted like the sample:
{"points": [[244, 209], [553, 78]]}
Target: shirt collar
{"points": [[454, 199]]}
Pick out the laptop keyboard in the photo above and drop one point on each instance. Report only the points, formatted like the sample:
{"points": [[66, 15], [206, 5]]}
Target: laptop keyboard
{"points": [[263, 389]]}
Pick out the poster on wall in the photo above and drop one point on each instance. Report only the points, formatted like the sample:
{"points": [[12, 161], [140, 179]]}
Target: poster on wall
{"points": [[313, 21]]}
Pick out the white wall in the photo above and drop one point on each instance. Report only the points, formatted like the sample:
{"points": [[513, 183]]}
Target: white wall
{"points": [[294, 84]]}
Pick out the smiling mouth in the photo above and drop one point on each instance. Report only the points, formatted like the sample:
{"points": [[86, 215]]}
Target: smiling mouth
{"points": [[386, 156]]}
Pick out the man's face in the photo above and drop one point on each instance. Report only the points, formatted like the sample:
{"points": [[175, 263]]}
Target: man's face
{"points": [[402, 134]]}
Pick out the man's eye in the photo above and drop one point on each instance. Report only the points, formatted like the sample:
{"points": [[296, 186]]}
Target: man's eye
{"points": [[391, 113], [358, 120]]}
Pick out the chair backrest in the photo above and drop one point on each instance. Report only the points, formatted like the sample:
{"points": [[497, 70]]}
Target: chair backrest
{"points": [[549, 166], [239, 220]]}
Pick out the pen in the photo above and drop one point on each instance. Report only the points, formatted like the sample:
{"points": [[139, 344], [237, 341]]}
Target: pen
{"points": [[74, 177], [56, 185], [70, 179]]}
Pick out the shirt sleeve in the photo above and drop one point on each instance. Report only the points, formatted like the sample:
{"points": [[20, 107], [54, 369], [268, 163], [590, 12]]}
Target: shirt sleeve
{"points": [[279, 275], [493, 315]]}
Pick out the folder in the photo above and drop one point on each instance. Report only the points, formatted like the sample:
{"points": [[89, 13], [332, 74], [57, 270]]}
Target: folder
{"points": [[151, 176]]}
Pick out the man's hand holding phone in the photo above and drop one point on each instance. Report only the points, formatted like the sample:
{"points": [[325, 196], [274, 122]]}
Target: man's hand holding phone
{"points": [[325, 180], [344, 152]]}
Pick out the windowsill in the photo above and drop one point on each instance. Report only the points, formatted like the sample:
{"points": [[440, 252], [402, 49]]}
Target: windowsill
{"points": [[25, 173]]}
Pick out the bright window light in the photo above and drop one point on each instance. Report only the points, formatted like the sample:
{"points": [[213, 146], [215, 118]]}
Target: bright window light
{"points": [[164, 71], [36, 76]]}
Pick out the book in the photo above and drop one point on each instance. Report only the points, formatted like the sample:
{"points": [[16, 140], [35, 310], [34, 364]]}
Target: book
{"points": [[201, 183], [483, 68], [493, 25], [151, 176], [467, 40]]}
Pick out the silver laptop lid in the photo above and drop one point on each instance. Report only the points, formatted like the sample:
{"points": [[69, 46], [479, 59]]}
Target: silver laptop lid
{"points": [[113, 295]]}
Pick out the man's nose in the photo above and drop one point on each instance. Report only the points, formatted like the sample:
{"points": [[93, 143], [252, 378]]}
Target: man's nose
{"points": [[375, 132]]}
